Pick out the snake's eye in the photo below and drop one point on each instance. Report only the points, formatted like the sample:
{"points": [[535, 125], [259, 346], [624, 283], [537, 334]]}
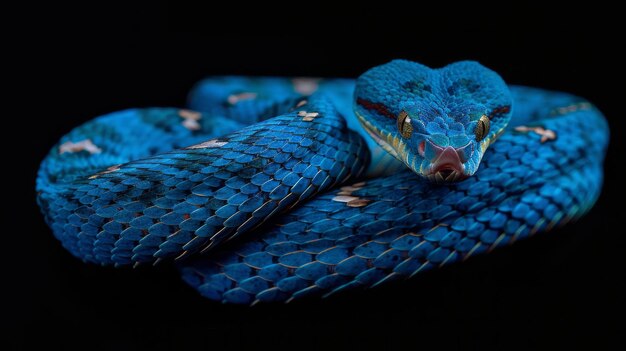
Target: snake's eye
{"points": [[404, 124], [482, 128]]}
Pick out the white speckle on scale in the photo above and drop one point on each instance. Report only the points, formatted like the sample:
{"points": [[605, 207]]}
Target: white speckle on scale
{"points": [[546, 134], [83, 145], [305, 86], [108, 170], [209, 144], [190, 119], [235, 98], [308, 116]]}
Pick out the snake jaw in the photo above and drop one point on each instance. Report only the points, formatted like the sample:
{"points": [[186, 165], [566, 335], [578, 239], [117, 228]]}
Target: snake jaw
{"points": [[378, 135], [446, 176], [447, 162], [447, 165], [446, 173]]}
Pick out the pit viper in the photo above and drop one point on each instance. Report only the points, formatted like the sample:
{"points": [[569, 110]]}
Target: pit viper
{"points": [[274, 189]]}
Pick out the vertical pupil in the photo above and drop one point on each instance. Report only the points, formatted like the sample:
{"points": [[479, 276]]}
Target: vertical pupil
{"points": [[404, 124], [482, 128], [401, 118]]}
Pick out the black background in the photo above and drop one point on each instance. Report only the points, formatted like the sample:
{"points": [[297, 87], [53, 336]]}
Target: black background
{"points": [[564, 289]]}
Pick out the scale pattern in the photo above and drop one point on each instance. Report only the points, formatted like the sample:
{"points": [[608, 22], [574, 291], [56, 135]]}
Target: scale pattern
{"points": [[408, 226], [145, 185], [179, 202]]}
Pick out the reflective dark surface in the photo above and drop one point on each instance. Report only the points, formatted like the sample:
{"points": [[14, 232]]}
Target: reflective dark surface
{"points": [[562, 289]]}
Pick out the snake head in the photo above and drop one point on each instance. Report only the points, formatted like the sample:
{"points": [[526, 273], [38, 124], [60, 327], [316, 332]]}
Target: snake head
{"points": [[439, 122]]}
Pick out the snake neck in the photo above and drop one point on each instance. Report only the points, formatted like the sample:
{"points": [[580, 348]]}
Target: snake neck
{"points": [[381, 162]]}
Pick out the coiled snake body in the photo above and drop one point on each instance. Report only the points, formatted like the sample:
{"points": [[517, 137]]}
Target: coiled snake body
{"points": [[302, 187]]}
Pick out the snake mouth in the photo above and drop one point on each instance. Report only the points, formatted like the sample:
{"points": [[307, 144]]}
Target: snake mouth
{"points": [[446, 168], [446, 174]]}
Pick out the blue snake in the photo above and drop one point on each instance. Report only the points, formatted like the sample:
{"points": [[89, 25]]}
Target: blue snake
{"points": [[275, 189]]}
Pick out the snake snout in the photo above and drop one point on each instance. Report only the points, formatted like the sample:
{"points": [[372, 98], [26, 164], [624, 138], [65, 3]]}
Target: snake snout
{"points": [[446, 162]]}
